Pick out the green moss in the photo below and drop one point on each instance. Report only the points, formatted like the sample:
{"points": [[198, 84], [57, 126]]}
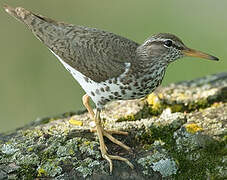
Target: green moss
{"points": [[155, 107], [145, 112], [156, 133], [41, 152], [156, 111], [200, 104], [201, 163], [26, 172], [192, 106], [177, 108], [155, 104], [192, 164], [127, 118], [204, 162], [223, 143]]}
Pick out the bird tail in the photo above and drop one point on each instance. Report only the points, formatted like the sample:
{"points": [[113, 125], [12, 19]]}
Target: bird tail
{"points": [[26, 16], [42, 27]]}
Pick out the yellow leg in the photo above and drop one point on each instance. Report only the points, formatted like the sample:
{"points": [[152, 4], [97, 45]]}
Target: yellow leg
{"points": [[86, 103], [101, 132]]}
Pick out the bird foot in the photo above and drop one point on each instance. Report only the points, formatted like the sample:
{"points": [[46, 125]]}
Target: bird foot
{"points": [[103, 148], [109, 158], [108, 133], [114, 140], [101, 132], [112, 132]]}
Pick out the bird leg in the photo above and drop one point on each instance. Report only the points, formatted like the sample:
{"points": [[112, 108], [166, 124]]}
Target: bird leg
{"points": [[86, 103], [101, 132]]}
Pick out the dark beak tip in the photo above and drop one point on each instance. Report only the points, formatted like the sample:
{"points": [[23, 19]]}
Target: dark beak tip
{"points": [[215, 58], [198, 54]]}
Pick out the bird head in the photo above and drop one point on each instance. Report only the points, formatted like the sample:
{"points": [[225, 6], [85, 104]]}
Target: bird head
{"points": [[168, 48]]}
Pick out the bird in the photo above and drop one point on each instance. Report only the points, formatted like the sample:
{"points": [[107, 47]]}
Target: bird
{"points": [[107, 66]]}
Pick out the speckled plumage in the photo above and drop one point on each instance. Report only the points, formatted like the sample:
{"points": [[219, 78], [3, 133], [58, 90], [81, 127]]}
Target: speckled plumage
{"points": [[107, 66], [97, 54]]}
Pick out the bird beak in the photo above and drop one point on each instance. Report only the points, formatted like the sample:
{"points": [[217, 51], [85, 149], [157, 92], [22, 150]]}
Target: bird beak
{"points": [[199, 54]]}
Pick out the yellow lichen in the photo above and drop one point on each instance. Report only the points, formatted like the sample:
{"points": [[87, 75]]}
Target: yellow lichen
{"points": [[161, 96], [30, 149], [41, 172], [75, 122], [130, 117], [153, 100], [193, 128], [182, 96], [87, 142], [71, 151]]}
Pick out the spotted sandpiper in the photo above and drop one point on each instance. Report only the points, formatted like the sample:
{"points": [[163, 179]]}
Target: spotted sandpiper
{"points": [[107, 66]]}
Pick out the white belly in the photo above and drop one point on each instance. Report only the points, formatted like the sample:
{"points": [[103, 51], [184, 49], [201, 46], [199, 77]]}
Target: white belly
{"points": [[91, 86]]}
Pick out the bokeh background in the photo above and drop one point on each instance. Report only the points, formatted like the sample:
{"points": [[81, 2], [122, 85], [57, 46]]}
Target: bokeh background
{"points": [[34, 84]]}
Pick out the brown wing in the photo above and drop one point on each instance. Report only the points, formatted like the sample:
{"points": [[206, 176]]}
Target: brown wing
{"points": [[98, 54]]}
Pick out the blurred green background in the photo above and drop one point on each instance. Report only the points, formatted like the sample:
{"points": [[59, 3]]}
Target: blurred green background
{"points": [[34, 84]]}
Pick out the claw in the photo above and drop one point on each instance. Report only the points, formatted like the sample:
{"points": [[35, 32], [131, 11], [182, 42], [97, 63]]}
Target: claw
{"points": [[110, 162], [114, 140], [122, 159]]}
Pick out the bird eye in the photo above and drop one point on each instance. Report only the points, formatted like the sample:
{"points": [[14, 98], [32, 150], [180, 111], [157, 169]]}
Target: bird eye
{"points": [[168, 43]]}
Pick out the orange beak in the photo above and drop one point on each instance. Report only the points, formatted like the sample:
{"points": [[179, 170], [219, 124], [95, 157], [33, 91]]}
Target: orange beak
{"points": [[199, 54]]}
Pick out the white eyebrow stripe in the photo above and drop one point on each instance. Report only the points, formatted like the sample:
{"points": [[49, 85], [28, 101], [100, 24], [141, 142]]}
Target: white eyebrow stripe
{"points": [[162, 40]]}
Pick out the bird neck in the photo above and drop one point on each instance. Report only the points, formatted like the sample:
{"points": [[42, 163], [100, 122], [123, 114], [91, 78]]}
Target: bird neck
{"points": [[145, 63], [144, 56], [147, 68]]}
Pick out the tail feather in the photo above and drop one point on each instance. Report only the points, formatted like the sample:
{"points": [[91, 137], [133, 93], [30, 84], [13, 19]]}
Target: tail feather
{"points": [[45, 29], [19, 13], [26, 16]]}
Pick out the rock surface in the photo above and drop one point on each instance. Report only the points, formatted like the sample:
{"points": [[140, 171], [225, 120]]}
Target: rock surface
{"points": [[179, 132]]}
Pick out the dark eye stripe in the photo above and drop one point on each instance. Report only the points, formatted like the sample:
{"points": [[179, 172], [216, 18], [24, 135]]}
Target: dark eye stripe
{"points": [[158, 42]]}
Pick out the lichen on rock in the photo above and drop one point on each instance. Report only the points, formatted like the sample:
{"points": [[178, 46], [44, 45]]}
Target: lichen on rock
{"points": [[178, 132]]}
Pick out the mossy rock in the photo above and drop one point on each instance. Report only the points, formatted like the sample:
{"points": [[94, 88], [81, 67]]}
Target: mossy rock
{"points": [[179, 132]]}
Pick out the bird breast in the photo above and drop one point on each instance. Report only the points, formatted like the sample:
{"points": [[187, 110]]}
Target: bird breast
{"points": [[129, 85]]}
